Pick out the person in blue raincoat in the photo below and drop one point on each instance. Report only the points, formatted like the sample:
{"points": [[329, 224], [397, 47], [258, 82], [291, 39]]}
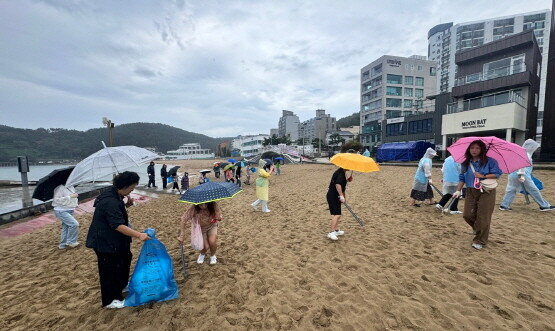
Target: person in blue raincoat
{"points": [[522, 178], [451, 171], [421, 189]]}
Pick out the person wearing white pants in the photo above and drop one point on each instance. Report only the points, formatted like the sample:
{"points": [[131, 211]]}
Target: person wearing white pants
{"points": [[262, 186]]}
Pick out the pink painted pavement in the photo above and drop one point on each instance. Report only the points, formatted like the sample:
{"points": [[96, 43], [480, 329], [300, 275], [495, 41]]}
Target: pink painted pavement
{"points": [[49, 218]]}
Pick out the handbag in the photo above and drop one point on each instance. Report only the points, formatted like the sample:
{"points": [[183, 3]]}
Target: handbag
{"points": [[197, 241], [487, 184]]}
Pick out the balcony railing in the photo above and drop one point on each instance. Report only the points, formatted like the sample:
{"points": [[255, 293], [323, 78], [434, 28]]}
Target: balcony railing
{"points": [[491, 74], [486, 101]]}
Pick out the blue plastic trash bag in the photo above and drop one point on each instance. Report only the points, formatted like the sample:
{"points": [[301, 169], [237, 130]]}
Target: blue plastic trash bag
{"points": [[253, 170], [537, 182], [152, 279], [170, 180]]}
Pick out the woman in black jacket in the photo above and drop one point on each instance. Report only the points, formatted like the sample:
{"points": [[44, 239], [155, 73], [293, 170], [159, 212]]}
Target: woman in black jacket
{"points": [[110, 237]]}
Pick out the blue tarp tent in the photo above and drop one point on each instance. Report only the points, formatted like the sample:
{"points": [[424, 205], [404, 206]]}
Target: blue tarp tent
{"points": [[409, 151]]}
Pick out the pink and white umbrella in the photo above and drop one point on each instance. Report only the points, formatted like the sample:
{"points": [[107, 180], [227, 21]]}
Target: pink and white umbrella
{"points": [[510, 156]]}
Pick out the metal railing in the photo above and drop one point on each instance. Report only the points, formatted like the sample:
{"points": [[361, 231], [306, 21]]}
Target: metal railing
{"points": [[491, 74], [486, 101]]}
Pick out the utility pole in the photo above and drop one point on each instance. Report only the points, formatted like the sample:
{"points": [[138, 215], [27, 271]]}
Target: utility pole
{"points": [[109, 124]]}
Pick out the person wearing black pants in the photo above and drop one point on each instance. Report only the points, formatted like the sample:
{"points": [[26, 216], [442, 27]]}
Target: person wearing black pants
{"points": [[110, 237], [164, 175], [151, 175]]}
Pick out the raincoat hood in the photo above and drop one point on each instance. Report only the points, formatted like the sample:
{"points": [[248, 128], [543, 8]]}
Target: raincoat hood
{"points": [[530, 146], [430, 152], [261, 163]]}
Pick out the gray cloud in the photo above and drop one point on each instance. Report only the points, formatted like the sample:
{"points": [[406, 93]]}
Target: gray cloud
{"points": [[215, 67]]}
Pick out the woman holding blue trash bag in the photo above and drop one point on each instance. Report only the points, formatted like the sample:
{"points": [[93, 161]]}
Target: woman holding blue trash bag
{"points": [[522, 178], [110, 237]]}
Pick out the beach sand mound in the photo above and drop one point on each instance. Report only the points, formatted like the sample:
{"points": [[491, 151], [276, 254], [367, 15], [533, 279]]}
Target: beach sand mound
{"points": [[407, 269]]}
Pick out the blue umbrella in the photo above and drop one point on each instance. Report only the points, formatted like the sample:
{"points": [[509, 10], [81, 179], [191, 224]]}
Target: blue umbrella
{"points": [[211, 191], [278, 158], [231, 160]]}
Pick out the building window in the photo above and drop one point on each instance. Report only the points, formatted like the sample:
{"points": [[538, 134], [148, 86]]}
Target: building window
{"points": [[504, 67], [365, 75], [420, 68], [394, 79], [391, 102], [419, 81], [535, 99], [409, 80], [408, 92], [396, 129], [377, 70], [407, 103], [432, 71], [418, 93], [421, 126], [396, 91]]}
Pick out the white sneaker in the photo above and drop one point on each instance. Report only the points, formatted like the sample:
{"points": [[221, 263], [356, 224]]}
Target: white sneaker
{"points": [[266, 211], [116, 304], [477, 246], [213, 259], [200, 259], [254, 206], [332, 235], [439, 207], [72, 245], [455, 212], [339, 232]]}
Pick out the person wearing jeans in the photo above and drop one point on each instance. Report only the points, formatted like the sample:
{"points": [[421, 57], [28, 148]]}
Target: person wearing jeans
{"points": [[65, 201]]}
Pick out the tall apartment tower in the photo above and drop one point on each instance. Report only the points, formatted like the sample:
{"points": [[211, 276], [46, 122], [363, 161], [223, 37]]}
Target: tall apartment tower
{"points": [[392, 87], [289, 125], [444, 40]]}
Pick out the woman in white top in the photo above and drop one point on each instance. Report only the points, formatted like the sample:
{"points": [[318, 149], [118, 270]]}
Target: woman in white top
{"points": [[65, 201]]}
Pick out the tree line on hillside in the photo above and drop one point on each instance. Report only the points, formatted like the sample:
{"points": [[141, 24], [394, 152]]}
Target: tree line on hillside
{"points": [[58, 143], [351, 120]]}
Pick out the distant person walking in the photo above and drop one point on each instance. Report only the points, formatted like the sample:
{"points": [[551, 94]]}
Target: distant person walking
{"points": [[263, 186], [421, 188], [479, 202], [64, 203], [175, 181], [335, 197], [278, 167], [451, 171], [151, 174], [164, 175], [185, 182], [238, 171], [203, 179], [522, 179]]}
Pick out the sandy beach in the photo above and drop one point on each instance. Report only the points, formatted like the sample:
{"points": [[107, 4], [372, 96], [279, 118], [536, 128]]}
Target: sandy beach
{"points": [[407, 269]]}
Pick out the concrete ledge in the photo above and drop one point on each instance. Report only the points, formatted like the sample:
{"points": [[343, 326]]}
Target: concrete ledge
{"points": [[43, 207]]}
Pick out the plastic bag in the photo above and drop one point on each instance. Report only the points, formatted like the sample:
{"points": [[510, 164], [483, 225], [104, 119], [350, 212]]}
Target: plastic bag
{"points": [[197, 241], [152, 279]]}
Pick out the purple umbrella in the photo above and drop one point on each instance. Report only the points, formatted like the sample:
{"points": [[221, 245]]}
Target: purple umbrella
{"points": [[510, 156]]}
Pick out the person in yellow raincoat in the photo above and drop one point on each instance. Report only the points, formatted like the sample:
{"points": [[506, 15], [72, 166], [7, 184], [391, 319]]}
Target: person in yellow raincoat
{"points": [[263, 186]]}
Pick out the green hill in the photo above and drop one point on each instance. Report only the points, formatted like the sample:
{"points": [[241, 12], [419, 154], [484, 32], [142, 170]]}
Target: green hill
{"points": [[351, 120], [55, 143]]}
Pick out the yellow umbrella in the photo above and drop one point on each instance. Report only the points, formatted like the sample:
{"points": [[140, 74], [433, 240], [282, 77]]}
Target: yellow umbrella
{"points": [[356, 162]]}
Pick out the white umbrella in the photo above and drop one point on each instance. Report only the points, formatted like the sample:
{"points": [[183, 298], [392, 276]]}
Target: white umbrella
{"points": [[108, 161]]}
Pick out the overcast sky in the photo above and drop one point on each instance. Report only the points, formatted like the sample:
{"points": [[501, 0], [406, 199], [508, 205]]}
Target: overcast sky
{"points": [[220, 68]]}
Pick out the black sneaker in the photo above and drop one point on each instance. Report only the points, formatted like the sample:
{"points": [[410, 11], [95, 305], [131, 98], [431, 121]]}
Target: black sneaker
{"points": [[547, 208], [503, 208]]}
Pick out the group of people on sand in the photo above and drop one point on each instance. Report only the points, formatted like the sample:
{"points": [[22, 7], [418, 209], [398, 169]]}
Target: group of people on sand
{"points": [[479, 195], [174, 178]]}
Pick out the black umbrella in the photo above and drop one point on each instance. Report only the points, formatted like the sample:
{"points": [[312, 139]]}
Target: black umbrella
{"points": [[46, 185], [173, 170]]}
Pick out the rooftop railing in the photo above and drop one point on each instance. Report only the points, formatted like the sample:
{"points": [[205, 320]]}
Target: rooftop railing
{"points": [[491, 74]]}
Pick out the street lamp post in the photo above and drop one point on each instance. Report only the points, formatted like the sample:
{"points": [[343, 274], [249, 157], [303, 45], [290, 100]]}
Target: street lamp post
{"points": [[109, 124]]}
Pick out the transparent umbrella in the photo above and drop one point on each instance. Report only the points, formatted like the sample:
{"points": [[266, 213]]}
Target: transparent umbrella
{"points": [[107, 161]]}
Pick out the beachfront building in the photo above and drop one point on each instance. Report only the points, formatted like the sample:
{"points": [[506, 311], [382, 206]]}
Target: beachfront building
{"points": [[496, 90], [316, 127], [547, 152], [189, 151], [392, 87], [249, 145], [289, 125], [445, 40]]}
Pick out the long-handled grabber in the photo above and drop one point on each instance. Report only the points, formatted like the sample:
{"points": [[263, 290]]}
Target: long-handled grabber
{"points": [[438, 191], [183, 262], [525, 194], [353, 213]]}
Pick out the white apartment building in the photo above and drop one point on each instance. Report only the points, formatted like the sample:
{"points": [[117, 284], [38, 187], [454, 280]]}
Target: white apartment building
{"points": [[317, 127], [249, 145], [289, 125], [392, 87], [444, 40]]}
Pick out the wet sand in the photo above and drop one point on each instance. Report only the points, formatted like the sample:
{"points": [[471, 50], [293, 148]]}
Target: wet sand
{"points": [[408, 268]]}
